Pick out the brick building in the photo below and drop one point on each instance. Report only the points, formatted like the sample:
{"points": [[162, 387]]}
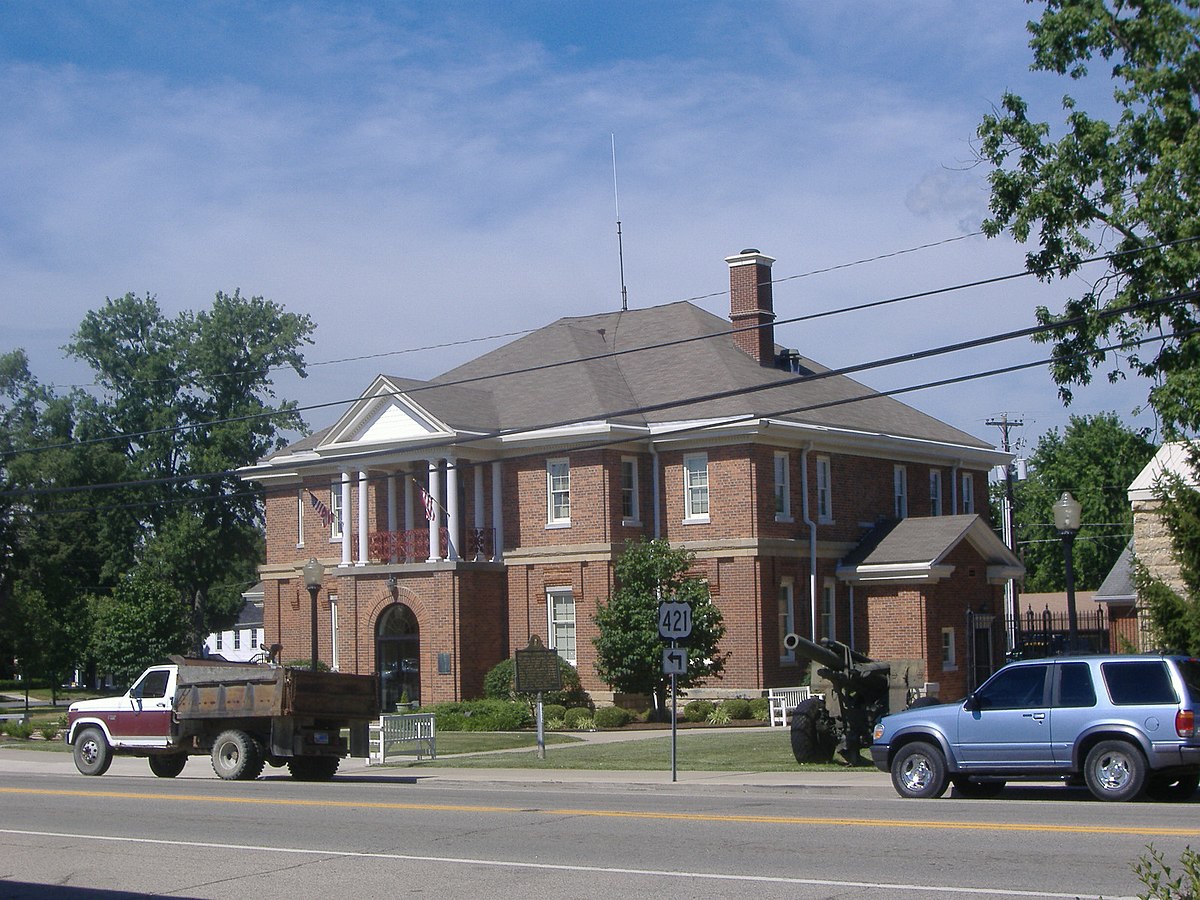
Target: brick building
{"points": [[457, 517]]}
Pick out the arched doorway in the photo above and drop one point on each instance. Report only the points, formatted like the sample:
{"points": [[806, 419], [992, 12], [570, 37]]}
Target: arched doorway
{"points": [[398, 656]]}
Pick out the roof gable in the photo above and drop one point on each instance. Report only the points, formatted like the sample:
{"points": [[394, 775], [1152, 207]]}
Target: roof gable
{"points": [[915, 550], [384, 414]]}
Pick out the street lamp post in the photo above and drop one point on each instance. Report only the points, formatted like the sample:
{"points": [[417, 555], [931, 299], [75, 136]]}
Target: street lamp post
{"points": [[314, 573], [1066, 520]]}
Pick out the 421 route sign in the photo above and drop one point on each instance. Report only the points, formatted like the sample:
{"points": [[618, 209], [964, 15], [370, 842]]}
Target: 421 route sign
{"points": [[674, 620]]}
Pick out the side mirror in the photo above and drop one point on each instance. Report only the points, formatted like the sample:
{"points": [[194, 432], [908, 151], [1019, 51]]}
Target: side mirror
{"points": [[972, 704]]}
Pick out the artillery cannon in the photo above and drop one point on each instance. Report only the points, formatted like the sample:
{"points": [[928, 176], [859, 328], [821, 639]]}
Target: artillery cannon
{"points": [[861, 687]]}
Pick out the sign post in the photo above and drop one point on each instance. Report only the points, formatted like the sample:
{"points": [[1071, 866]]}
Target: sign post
{"points": [[674, 625], [536, 669]]}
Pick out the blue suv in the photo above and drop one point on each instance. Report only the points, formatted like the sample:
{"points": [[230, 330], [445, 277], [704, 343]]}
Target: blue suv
{"points": [[1122, 724]]}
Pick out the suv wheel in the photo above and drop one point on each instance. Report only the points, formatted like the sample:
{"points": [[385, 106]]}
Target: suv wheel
{"points": [[1115, 770], [919, 771]]}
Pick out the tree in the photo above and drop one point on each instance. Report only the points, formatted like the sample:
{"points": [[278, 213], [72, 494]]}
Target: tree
{"points": [[1174, 611], [1095, 458], [140, 625], [1125, 181], [629, 649]]}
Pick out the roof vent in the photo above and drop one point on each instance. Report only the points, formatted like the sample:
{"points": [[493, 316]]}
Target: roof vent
{"points": [[751, 250]]}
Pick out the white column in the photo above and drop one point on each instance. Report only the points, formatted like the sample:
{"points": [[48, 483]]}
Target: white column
{"points": [[391, 514], [477, 485], [435, 524], [363, 543], [452, 518], [346, 517], [497, 514], [408, 502]]}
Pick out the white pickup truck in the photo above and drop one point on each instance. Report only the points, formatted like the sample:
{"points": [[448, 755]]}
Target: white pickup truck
{"points": [[244, 715]]}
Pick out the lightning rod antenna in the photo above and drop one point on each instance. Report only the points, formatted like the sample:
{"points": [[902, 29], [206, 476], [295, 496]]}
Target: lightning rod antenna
{"points": [[620, 247]]}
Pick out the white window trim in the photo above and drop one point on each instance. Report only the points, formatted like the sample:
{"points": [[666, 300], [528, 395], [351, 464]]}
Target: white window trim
{"points": [[300, 518], [690, 518], [552, 640], [829, 599], [335, 507], [551, 520], [783, 466], [635, 489], [787, 585], [333, 632], [824, 480], [968, 493], [949, 660], [900, 491], [935, 492]]}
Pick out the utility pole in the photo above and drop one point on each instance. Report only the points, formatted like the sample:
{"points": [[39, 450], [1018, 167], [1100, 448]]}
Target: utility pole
{"points": [[1012, 606]]}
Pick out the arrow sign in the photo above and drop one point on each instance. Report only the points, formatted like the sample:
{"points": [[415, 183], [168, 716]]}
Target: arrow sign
{"points": [[674, 620], [674, 661]]}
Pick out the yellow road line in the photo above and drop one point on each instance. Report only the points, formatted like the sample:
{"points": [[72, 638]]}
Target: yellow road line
{"points": [[621, 814]]}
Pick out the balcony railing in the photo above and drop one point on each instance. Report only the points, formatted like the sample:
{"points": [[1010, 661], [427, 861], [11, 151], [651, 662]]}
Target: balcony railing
{"points": [[413, 545]]}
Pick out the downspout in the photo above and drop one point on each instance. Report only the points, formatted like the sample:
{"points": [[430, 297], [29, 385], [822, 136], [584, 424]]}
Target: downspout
{"points": [[812, 541], [654, 481], [954, 488]]}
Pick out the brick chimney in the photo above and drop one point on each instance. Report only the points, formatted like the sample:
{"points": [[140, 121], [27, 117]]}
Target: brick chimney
{"points": [[751, 306]]}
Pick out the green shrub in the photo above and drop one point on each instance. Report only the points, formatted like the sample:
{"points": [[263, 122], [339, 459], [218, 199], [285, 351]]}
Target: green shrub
{"points": [[718, 716], [697, 710], [20, 730], [49, 731], [500, 684], [578, 717], [760, 709], [553, 711], [613, 717], [1154, 873], [481, 715], [737, 708]]}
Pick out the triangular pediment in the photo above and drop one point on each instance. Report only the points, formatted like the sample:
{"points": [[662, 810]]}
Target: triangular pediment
{"points": [[384, 414]]}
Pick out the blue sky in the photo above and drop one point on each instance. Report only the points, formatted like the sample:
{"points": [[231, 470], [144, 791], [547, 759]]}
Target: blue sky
{"points": [[412, 174]]}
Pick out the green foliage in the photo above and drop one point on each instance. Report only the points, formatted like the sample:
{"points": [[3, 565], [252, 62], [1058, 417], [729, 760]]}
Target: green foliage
{"points": [[500, 684], [737, 708], [760, 709], [553, 711], [140, 625], [481, 715], [698, 710], [1160, 880], [612, 717], [1175, 614], [322, 666], [629, 649], [719, 716], [577, 717], [49, 731], [1095, 458], [1125, 181], [20, 730]]}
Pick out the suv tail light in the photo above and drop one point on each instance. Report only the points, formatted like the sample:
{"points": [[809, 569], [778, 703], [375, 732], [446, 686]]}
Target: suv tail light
{"points": [[1185, 723]]}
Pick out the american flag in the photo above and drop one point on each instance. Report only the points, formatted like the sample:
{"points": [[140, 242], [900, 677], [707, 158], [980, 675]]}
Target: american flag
{"points": [[427, 502], [322, 510]]}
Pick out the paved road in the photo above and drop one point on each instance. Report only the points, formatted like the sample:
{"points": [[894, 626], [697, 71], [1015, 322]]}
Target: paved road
{"points": [[514, 833]]}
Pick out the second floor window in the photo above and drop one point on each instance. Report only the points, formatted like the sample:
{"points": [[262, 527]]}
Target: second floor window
{"points": [[968, 494], [900, 483], [629, 490], [695, 486], [783, 488], [935, 492], [558, 491], [237, 639], [824, 490], [335, 507]]}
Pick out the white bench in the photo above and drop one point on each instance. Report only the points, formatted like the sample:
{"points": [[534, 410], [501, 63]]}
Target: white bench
{"points": [[784, 700], [406, 735], [11, 717]]}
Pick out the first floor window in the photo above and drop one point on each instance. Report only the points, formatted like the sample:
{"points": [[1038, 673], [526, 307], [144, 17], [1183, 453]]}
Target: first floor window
{"points": [[829, 609], [254, 639], [949, 661], [900, 490], [935, 492], [237, 639], [695, 486], [787, 618], [558, 491], [333, 632], [560, 603], [783, 487], [220, 640]]}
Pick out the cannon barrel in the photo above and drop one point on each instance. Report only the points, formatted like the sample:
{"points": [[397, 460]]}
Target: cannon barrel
{"points": [[814, 652]]}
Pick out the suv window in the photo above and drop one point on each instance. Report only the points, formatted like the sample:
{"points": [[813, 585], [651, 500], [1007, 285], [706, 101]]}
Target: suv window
{"points": [[1015, 688], [1075, 685], [1190, 670], [1137, 682]]}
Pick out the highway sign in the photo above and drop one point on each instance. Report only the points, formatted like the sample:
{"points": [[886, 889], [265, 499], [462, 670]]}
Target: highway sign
{"points": [[674, 661], [674, 620]]}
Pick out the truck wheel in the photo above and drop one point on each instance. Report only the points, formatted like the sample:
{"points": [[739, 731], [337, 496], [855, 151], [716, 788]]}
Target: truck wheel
{"points": [[1115, 770], [92, 754], [919, 771], [313, 768], [167, 765], [1172, 788], [812, 736], [235, 756]]}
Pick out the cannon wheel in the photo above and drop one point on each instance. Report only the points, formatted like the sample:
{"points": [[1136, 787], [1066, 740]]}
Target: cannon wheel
{"points": [[813, 740]]}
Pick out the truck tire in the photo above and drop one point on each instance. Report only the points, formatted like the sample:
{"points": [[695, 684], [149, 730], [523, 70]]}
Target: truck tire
{"points": [[1115, 770], [92, 754], [813, 740], [167, 765], [236, 757], [313, 768], [919, 771]]}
